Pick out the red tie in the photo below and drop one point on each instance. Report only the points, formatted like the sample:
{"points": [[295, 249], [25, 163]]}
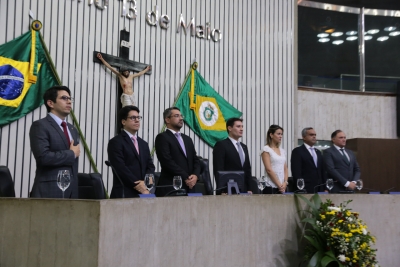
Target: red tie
{"points": [[64, 125]]}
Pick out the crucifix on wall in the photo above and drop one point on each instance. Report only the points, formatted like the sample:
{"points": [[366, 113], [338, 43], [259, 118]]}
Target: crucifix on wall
{"points": [[125, 67]]}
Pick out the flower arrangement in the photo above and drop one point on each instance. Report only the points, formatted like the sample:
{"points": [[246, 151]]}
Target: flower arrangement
{"points": [[337, 235]]}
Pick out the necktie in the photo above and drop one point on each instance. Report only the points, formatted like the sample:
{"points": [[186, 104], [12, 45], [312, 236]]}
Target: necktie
{"points": [[178, 136], [135, 143], [344, 155], [239, 148], [64, 125], [314, 155]]}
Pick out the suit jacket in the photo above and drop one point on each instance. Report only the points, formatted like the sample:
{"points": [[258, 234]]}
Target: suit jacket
{"points": [[226, 158], [174, 162], [339, 170], [51, 151], [129, 165], [303, 166]]}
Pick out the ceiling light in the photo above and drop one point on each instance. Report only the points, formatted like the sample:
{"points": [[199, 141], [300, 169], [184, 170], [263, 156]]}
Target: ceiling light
{"points": [[323, 40], [322, 35], [389, 29], [382, 38], [367, 37], [351, 33], [373, 31], [337, 42], [336, 34], [394, 33], [351, 38]]}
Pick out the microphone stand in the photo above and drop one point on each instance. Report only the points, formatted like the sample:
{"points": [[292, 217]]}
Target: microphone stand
{"points": [[108, 163]]}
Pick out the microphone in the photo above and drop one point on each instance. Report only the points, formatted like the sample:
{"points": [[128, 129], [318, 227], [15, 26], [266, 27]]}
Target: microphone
{"points": [[220, 188], [108, 163], [387, 190], [318, 186]]}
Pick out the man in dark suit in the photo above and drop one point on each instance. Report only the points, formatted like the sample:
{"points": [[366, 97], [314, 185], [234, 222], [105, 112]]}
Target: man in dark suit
{"points": [[232, 155], [341, 164], [176, 154], [307, 163], [130, 156], [55, 146]]}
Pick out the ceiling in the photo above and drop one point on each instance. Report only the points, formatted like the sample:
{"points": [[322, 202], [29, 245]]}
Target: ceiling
{"points": [[373, 4]]}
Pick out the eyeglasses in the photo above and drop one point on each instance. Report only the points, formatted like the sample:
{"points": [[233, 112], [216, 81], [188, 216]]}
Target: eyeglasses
{"points": [[177, 116], [66, 98], [135, 118]]}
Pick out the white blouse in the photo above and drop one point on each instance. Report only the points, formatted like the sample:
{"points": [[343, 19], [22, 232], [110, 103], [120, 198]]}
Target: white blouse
{"points": [[277, 164]]}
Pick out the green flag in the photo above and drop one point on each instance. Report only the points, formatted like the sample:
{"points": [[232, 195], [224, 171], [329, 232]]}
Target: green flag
{"points": [[205, 111], [26, 72]]}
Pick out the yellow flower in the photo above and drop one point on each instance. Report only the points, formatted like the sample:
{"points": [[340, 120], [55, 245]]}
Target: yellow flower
{"points": [[347, 259], [322, 217], [340, 221], [347, 240]]}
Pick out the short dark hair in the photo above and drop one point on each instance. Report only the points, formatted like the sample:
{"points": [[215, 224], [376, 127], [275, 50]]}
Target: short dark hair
{"points": [[230, 122], [167, 113], [123, 112], [52, 93], [272, 129], [333, 135], [304, 131]]}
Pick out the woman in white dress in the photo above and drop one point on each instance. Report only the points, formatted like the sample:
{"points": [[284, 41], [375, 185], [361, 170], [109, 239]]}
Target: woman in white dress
{"points": [[274, 159]]}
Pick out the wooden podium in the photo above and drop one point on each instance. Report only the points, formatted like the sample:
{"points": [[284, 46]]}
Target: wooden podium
{"points": [[379, 161]]}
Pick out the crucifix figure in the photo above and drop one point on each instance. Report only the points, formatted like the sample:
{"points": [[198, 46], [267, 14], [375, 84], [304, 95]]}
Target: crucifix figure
{"points": [[126, 80]]}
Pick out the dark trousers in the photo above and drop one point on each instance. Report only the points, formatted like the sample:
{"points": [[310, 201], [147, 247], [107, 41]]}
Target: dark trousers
{"points": [[270, 190]]}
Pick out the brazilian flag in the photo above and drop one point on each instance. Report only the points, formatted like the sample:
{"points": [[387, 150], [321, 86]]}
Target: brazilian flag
{"points": [[205, 111], [26, 72]]}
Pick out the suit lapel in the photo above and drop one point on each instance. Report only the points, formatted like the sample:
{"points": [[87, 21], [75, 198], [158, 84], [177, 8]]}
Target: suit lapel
{"points": [[307, 154], [234, 151], [131, 145], [58, 130], [175, 140]]}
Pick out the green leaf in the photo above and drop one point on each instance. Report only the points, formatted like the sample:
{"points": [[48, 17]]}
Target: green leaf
{"points": [[315, 243], [326, 260], [315, 261], [307, 202], [317, 200]]}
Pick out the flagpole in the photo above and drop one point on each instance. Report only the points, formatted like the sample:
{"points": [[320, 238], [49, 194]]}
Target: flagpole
{"points": [[82, 137], [193, 66]]}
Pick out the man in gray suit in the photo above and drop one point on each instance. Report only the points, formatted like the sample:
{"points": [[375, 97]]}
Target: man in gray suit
{"points": [[55, 146], [341, 164]]}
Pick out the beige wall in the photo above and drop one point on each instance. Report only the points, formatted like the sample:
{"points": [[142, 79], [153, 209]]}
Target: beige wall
{"points": [[359, 115], [181, 231]]}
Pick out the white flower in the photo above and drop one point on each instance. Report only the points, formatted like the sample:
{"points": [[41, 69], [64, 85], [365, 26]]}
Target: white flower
{"points": [[349, 219], [334, 208], [364, 231], [342, 258]]}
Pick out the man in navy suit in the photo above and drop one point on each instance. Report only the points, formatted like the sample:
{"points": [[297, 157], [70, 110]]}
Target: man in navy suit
{"points": [[232, 155], [176, 154], [341, 164], [130, 156], [307, 163], [55, 146]]}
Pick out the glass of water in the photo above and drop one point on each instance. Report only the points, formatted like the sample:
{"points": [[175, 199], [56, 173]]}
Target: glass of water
{"points": [[329, 184], [63, 180], [300, 183], [261, 184], [177, 182], [149, 181], [359, 184]]}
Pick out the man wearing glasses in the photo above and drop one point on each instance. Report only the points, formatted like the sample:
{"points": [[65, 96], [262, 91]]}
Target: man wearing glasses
{"points": [[176, 154], [130, 156], [55, 146]]}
